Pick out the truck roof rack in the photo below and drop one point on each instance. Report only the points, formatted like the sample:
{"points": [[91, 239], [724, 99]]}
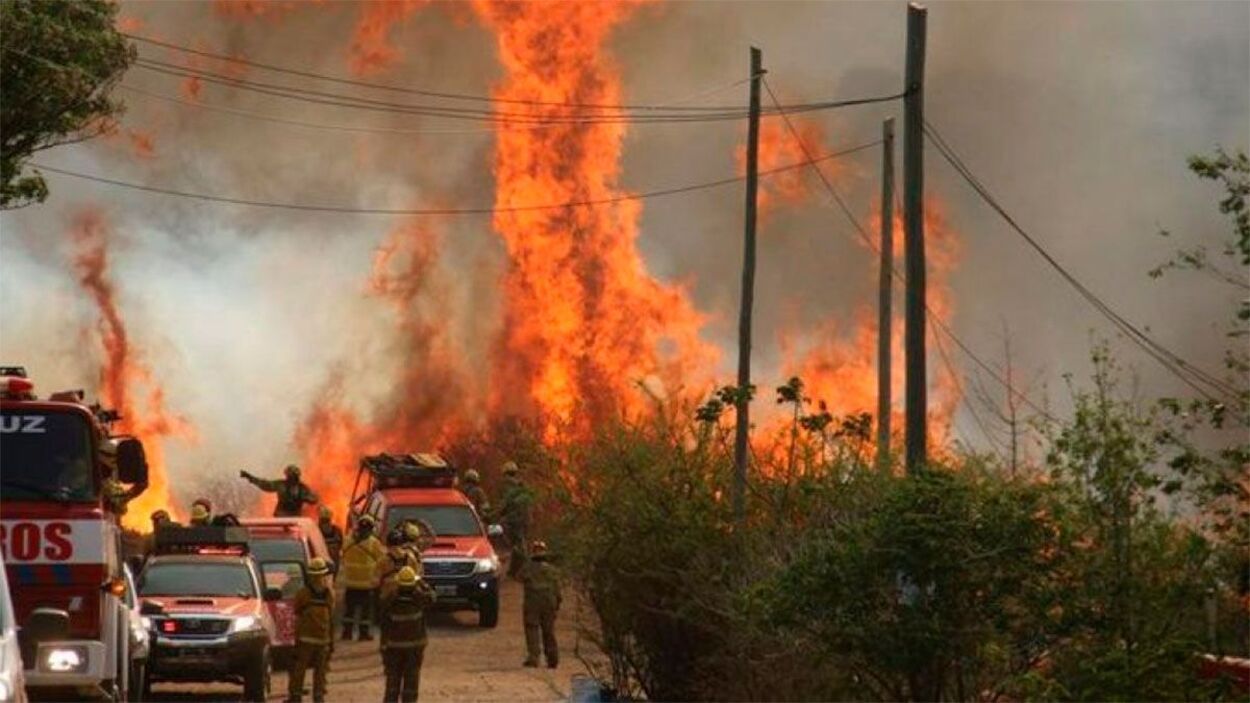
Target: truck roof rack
{"points": [[178, 539], [424, 470]]}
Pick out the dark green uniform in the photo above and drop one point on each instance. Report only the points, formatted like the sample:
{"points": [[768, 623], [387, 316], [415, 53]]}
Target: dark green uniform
{"points": [[404, 639], [539, 605], [314, 612], [292, 495], [478, 498], [514, 515], [333, 535]]}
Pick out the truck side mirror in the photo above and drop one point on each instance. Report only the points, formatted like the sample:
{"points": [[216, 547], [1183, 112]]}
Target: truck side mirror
{"points": [[132, 462], [494, 531]]}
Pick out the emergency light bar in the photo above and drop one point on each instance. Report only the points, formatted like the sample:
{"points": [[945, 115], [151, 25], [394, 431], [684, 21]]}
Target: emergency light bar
{"points": [[16, 387], [202, 540]]}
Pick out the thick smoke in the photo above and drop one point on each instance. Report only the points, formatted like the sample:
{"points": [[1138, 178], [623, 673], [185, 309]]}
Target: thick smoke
{"points": [[1079, 117]]}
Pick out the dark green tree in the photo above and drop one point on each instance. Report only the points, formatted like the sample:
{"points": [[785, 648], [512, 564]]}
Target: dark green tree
{"points": [[59, 62], [1214, 471]]}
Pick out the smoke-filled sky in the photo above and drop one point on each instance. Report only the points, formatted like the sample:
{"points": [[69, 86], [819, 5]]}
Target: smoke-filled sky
{"points": [[1078, 116]]}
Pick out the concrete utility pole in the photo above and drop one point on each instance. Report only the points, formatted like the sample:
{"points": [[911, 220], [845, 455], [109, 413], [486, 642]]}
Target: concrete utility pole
{"points": [[885, 312], [913, 240], [742, 430]]}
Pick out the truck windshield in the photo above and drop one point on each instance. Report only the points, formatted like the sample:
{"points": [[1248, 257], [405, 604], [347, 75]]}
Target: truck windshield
{"points": [[46, 456], [267, 550], [447, 520], [197, 579]]}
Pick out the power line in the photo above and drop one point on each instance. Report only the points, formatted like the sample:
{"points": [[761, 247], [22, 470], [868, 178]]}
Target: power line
{"points": [[264, 117], [444, 211], [934, 317], [428, 93], [976, 417], [493, 116], [1188, 373], [298, 123]]}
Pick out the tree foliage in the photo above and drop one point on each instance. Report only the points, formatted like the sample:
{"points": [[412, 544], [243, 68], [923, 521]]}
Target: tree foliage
{"points": [[847, 583], [61, 58], [1217, 478]]}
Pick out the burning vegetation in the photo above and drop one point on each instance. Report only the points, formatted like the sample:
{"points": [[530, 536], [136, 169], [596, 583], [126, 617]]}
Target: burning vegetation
{"points": [[125, 383]]}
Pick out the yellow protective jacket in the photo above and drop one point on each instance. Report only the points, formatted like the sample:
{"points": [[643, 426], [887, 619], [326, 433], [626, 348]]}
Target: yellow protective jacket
{"points": [[314, 613], [402, 615], [396, 559], [362, 559]]}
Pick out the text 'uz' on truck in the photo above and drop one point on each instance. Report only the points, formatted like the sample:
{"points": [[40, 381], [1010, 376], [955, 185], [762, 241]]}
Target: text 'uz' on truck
{"points": [[63, 478], [458, 561]]}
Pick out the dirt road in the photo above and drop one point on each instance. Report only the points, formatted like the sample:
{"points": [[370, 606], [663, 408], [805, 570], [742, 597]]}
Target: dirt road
{"points": [[462, 663]]}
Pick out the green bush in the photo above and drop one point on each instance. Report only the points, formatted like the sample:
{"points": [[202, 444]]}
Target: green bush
{"points": [[848, 584]]}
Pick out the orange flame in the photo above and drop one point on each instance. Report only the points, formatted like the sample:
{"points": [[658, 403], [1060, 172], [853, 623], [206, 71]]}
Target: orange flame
{"points": [[122, 374], [584, 322], [778, 148], [429, 399], [371, 49], [840, 367]]}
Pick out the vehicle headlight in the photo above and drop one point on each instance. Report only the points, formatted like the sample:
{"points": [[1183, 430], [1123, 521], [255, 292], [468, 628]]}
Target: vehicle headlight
{"points": [[64, 660], [488, 565], [245, 623]]}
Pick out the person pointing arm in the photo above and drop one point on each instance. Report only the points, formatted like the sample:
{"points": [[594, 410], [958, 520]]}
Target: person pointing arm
{"points": [[293, 494]]}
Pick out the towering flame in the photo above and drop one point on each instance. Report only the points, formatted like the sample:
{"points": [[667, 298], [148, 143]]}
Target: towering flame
{"points": [[123, 376], [583, 321], [430, 396]]}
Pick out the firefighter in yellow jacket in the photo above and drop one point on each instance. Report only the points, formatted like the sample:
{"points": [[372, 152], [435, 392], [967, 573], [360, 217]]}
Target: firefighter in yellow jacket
{"points": [[397, 557], [539, 604], [361, 574], [403, 634], [314, 610]]}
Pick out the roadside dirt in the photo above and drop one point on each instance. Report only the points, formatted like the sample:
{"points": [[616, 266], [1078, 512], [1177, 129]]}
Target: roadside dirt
{"points": [[462, 663]]}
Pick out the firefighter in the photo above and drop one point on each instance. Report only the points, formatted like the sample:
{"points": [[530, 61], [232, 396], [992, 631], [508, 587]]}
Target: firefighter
{"points": [[472, 489], [398, 556], [314, 609], [201, 513], [403, 634], [362, 556], [331, 533], [514, 515], [161, 519], [418, 536], [293, 494], [539, 604], [119, 496]]}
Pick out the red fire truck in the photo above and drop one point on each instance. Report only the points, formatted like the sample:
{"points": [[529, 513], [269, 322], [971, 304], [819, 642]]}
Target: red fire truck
{"points": [[61, 474]]}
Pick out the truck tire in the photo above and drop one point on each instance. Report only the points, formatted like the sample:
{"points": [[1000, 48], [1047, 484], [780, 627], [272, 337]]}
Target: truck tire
{"points": [[139, 689], [256, 679], [488, 613]]}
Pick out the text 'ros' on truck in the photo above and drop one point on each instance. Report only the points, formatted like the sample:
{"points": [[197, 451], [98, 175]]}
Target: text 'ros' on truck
{"points": [[458, 561], [63, 481], [206, 606]]}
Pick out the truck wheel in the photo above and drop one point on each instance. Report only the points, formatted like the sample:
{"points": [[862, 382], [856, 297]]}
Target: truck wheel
{"points": [[139, 687], [256, 679], [488, 613]]}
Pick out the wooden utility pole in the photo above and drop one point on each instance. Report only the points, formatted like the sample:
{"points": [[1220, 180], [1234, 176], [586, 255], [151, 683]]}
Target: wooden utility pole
{"points": [[742, 430], [885, 312], [913, 240]]}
